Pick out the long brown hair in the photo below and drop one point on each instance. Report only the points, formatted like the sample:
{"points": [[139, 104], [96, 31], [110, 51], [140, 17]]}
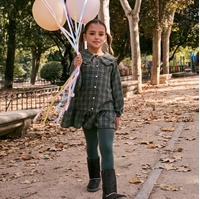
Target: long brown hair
{"points": [[109, 37]]}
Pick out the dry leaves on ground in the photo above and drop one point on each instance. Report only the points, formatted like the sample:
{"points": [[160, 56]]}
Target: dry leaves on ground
{"points": [[167, 187]]}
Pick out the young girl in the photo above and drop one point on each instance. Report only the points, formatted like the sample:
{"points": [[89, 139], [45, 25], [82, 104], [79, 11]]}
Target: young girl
{"points": [[97, 106]]}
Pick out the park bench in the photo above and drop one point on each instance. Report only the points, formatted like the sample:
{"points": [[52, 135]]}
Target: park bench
{"points": [[164, 78], [15, 123], [129, 88], [179, 74], [188, 70]]}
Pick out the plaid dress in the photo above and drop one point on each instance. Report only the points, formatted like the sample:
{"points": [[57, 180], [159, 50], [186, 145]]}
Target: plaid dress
{"points": [[98, 93]]}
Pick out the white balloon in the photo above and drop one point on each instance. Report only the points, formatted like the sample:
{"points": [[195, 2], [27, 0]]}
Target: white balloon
{"points": [[75, 8], [44, 18]]}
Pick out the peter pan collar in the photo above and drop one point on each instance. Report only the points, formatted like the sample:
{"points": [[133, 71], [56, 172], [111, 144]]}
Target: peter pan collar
{"points": [[107, 58]]}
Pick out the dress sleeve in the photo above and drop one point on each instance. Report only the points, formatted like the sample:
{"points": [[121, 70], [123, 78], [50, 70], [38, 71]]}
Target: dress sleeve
{"points": [[79, 79], [117, 92]]}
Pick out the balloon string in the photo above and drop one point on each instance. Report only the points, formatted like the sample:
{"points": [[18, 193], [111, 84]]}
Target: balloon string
{"points": [[69, 22], [70, 93], [71, 82], [73, 41], [75, 19], [82, 11], [51, 99], [69, 85]]}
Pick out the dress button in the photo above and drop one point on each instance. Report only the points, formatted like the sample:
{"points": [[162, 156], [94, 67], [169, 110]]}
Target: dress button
{"points": [[93, 97], [96, 76], [97, 66], [94, 86], [92, 108]]}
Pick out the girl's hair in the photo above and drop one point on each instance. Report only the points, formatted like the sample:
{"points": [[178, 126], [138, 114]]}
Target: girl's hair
{"points": [[109, 37]]}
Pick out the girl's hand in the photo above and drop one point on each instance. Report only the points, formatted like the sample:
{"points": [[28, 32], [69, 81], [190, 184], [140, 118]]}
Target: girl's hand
{"points": [[116, 123], [78, 61]]}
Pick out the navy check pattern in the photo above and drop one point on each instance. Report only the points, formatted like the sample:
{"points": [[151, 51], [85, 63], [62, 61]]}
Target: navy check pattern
{"points": [[98, 93]]}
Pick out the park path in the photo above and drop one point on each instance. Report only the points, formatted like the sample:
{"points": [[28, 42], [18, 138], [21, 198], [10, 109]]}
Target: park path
{"points": [[156, 151]]}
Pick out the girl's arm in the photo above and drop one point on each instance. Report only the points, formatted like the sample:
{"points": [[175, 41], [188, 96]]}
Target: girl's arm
{"points": [[117, 92], [77, 62]]}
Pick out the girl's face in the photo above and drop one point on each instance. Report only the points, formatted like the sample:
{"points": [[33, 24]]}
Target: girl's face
{"points": [[95, 37]]}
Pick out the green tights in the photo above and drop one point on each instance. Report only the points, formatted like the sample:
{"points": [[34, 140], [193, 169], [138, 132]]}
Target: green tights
{"points": [[104, 138]]}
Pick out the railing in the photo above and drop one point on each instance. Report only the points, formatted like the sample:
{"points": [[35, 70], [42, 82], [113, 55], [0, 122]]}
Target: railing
{"points": [[145, 78], [22, 84], [33, 99]]}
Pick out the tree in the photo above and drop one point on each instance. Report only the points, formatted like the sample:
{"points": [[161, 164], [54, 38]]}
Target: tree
{"points": [[51, 71], [34, 39], [158, 21], [66, 52], [120, 31], [133, 19], [167, 27], [104, 16], [157, 30], [185, 31], [11, 46], [11, 11]]}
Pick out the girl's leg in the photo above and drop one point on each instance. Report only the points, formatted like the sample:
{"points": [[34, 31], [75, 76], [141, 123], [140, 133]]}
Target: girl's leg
{"points": [[92, 159], [106, 138], [91, 142]]}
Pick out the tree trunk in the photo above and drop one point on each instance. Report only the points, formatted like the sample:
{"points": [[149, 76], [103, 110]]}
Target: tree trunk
{"points": [[36, 55], [155, 70], [11, 46], [166, 43], [133, 19], [104, 16], [135, 50]]}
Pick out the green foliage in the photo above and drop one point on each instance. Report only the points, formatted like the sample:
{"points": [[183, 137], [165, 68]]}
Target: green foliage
{"points": [[30, 38], [185, 30], [51, 71], [119, 30], [19, 71], [2, 70]]}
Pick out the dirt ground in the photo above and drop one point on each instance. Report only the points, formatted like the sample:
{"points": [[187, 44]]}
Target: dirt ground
{"points": [[50, 164]]}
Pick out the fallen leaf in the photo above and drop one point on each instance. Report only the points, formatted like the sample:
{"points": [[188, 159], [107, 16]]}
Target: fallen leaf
{"points": [[151, 146], [26, 157], [177, 157], [2, 154], [167, 187], [146, 166], [168, 129], [183, 168], [185, 119], [146, 142], [180, 149], [129, 150], [191, 139], [119, 174], [134, 181], [167, 160], [168, 167], [30, 181], [171, 159]]}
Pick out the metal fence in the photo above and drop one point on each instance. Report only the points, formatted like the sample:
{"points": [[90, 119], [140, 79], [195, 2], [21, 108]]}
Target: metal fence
{"points": [[145, 78], [23, 84], [33, 99]]}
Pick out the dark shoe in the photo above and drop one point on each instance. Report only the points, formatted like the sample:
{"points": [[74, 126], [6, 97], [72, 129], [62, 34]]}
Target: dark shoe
{"points": [[94, 174], [110, 185]]}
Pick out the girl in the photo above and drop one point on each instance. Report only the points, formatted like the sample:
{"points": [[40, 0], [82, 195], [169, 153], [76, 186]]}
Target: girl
{"points": [[97, 106]]}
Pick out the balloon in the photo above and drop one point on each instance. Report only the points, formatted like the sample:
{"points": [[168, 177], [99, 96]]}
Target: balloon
{"points": [[75, 9], [43, 16]]}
